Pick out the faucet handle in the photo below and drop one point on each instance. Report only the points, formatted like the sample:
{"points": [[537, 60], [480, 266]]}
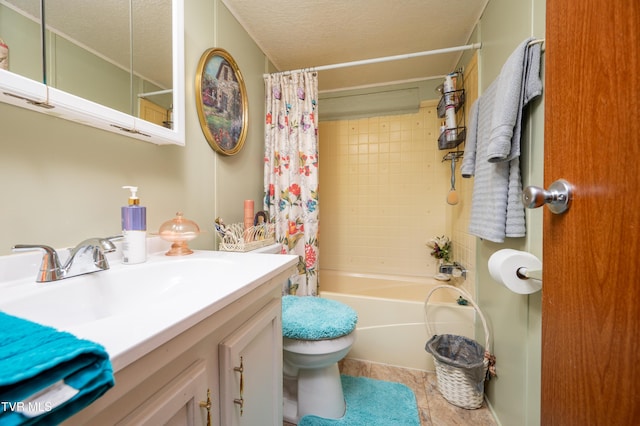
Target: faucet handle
{"points": [[459, 271], [50, 269], [107, 243], [92, 249]]}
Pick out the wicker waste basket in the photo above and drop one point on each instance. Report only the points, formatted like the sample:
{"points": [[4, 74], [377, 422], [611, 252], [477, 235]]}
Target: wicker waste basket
{"points": [[461, 363]]}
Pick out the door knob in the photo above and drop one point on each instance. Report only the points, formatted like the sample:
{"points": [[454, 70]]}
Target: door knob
{"points": [[558, 197]]}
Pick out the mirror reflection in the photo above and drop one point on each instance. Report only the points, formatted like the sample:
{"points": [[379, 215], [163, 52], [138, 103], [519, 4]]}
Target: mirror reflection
{"points": [[117, 53], [20, 31], [152, 60]]}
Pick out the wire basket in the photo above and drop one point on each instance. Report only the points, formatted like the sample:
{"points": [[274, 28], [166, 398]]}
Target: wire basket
{"points": [[237, 238], [460, 383]]}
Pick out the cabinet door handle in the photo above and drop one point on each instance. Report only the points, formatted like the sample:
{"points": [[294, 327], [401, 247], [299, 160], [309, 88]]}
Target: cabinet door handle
{"points": [[240, 401], [207, 404]]}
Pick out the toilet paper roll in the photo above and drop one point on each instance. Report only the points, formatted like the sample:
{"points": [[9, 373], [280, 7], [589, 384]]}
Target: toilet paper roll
{"points": [[504, 265]]}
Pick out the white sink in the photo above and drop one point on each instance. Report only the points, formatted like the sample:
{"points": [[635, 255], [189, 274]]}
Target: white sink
{"points": [[131, 309], [124, 288]]}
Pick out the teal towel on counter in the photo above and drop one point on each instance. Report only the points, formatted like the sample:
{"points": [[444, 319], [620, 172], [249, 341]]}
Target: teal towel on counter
{"points": [[316, 318], [47, 375]]}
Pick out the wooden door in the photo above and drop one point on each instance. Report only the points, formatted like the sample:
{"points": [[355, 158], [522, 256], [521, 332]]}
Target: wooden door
{"points": [[591, 276], [153, 112]]}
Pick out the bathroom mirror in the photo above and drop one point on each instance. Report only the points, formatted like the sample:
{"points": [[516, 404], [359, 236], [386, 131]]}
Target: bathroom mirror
{"points": [[88, 51], [113, 64], [20, 26]]}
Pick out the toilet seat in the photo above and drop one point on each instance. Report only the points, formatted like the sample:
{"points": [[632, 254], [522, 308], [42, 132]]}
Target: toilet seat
{"points": [[316, 334], [318, 346], [316, 318]]}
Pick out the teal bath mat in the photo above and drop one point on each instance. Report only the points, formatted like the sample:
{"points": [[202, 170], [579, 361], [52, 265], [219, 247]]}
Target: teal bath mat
{"points": [[372, 403]]}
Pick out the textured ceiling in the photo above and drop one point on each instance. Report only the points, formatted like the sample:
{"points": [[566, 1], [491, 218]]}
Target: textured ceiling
{"points": [[305, 34], [293, 34]]}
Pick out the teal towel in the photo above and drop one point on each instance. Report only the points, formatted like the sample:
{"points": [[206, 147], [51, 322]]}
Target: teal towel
{"points": [[47, 375], [316, 318]]}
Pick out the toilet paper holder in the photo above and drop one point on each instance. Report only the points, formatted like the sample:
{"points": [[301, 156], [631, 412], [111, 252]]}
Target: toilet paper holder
{"points": [[525, 274], [518, 271]]}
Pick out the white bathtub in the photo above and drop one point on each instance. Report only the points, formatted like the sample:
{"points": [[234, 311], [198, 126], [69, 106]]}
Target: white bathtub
{"points": [[391, 315]]}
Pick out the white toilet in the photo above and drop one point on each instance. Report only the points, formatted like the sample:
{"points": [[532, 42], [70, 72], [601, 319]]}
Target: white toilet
{"points": [[317, 333]]}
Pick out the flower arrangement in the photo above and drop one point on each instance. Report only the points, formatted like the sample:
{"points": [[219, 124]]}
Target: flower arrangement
{"points": [[440, 248]]}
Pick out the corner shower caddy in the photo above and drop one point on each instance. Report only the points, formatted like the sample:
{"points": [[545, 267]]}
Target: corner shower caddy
{"points": [[457, 99]]}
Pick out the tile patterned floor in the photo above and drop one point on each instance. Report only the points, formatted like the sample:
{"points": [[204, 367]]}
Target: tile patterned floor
{"points": [[434, 409]]}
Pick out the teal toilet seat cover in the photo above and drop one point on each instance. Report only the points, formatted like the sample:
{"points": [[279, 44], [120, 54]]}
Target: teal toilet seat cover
{"points": [[316, 318]]}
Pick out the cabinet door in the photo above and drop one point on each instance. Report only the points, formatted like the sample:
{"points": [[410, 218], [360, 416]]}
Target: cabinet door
{"points": [[251, 371], [177, 403]]}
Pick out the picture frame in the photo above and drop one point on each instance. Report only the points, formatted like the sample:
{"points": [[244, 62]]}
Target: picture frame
{"points": [[221, 101]]}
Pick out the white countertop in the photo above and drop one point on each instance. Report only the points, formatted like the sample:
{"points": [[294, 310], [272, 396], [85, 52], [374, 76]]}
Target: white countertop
{"points": [[133, 309]]}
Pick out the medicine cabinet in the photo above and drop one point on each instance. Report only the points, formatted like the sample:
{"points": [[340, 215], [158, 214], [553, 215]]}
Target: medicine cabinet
{"points": [[117, 65]]}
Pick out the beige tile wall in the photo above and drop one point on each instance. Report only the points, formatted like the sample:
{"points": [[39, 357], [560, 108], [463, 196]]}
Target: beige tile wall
{"points": [[382, 193], [383, 188]]}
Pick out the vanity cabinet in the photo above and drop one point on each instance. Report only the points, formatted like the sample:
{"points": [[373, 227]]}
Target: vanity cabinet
{"points": [[176, 403], [251, 371], [235, 355]]}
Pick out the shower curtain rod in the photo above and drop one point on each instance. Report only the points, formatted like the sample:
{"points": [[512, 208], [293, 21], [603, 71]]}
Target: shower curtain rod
{"points": [[384, 59], [159, 92]]}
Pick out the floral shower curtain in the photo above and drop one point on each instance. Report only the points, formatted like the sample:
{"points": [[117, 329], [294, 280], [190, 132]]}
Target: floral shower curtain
{"points": [[291, 172]]}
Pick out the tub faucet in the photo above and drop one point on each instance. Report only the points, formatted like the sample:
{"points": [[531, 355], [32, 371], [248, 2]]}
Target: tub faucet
{"points": [[85, 258], [455, 269]]}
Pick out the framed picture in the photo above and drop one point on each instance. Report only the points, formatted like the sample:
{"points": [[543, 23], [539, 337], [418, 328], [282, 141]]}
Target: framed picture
{"points": [[221, 101]]}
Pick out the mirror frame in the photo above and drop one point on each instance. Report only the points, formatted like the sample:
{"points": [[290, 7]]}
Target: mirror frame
{"points": [[33, 95]]}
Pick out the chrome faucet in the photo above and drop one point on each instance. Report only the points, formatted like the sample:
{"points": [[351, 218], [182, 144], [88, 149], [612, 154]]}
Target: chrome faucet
{"points": [[85, 258], [455, 269]]}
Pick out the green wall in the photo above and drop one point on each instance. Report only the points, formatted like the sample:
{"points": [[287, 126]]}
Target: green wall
{"points": [[60, 182], [515, 319], [402, 98]]}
